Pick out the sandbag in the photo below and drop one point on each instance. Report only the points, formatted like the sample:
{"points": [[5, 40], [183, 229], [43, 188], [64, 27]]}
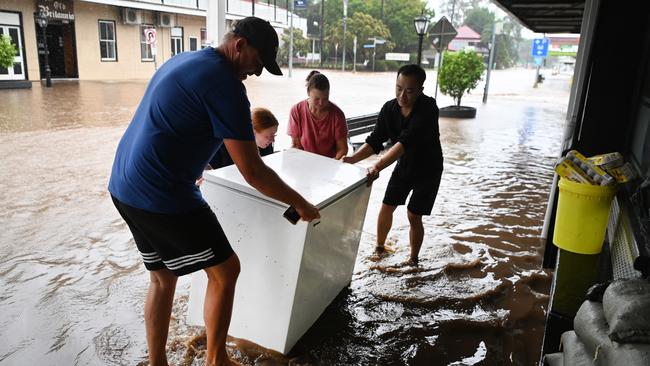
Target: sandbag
{"points": [[592, 329], [627, 309], [574, 351], [554, 359]]}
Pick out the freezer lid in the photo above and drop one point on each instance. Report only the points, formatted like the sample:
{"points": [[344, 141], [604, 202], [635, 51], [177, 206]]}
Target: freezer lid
{"points": [[319, 179]]}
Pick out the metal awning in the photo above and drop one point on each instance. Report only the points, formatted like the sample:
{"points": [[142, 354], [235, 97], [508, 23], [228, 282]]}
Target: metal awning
{"points": [[546, 16]]}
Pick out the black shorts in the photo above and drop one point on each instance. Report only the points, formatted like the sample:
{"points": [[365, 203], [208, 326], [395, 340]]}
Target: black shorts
{"points": [[183, 243], [424, 194]]}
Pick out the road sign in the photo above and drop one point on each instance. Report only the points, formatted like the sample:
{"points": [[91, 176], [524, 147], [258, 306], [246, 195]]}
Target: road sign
{"points": [[368, 46], [396, 56], [300, 4], [150, 35], [540, 47], [442, 33]]}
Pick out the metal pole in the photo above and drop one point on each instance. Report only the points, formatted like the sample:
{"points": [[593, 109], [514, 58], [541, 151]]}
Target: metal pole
{"points": [[322, 29], [441, 51], [336, 54], [438, 72], [374, 52], [420, 49], [490, 61], [354, 55], [48, 71], [291, 41], [345, 30]]}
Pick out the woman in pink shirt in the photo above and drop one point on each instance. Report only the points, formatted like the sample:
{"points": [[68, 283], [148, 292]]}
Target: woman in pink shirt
{"points": [[316, 124]]}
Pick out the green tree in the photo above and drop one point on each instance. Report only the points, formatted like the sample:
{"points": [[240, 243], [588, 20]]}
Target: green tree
{"points": [[398, 19], [507, 42], [480, 20], [300, 45], [363, 26], [455, 10], [460, 73], [7, 52]]}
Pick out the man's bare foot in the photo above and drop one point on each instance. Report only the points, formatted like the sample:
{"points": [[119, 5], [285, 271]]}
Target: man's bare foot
{"points": [[230, 362], [411, 262], [226, 362]]}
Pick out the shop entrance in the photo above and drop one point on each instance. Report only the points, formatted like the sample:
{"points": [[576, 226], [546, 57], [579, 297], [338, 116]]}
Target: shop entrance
{"points": [[61, 49]]}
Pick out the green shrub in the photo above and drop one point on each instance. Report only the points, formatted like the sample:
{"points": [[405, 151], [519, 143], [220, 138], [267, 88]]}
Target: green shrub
{"points": [[7, 52], [460, 73]]}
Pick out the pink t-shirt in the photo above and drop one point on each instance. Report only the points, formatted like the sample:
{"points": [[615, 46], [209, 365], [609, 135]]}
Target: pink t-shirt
{"points": [[317, 136]]}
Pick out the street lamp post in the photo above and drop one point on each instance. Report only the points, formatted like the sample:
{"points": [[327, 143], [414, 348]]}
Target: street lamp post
{"points": [[421, 24], [42, 22]]}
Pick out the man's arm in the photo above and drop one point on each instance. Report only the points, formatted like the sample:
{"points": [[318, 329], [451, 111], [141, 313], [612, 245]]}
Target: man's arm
{"points": [[341, 148], [394, 153], [364, 151], [264, 179]]}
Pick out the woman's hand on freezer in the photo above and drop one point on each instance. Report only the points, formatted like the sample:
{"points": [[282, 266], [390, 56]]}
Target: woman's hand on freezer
{"points": [[307, 211]]}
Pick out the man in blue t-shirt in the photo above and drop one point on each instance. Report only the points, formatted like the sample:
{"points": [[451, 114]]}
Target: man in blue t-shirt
{"points": [[195, 102], [410, 122]]}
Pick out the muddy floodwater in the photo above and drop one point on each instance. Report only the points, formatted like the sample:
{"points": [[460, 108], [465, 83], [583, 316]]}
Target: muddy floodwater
{"points": [[73, 285]]}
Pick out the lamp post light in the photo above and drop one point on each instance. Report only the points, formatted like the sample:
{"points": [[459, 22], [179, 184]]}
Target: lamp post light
{"points": [[421, 23], [42, 22]]}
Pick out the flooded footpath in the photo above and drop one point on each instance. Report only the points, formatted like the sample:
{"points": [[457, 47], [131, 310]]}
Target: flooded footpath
{"points": [[73, 285]]}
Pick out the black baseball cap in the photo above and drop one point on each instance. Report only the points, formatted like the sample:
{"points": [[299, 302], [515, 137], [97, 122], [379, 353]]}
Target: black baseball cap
{"points": [[261, 35]]}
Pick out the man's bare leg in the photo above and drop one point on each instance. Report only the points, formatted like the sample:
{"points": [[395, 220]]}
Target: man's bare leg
{"points": [[157, 312], [217, 309], [416, 236], [384, 222]]}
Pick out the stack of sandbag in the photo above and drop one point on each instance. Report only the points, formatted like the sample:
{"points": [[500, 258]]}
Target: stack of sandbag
{"points": [[614, 332]]}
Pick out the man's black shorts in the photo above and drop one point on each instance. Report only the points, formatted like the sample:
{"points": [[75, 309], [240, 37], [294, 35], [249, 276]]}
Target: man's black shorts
{"points": [[183, 243], [424, 194]]}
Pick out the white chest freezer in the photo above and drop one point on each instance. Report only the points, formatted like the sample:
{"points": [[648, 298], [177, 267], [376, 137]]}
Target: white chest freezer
{"points": [[289, 273]]}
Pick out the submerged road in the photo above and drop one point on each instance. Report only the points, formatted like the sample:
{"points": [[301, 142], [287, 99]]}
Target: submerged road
{"points": [[73, 285]]}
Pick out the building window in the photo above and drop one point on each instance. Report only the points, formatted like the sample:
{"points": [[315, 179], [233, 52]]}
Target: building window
{"points": [[193, 43], [177, 40], [146, 53], [107, 40], [204, 38]]}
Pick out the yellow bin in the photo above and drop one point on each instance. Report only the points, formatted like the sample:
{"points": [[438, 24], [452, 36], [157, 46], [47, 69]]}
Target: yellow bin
{"points": [[582, 215]]}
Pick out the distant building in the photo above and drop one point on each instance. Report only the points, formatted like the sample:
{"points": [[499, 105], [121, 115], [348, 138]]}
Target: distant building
{"points": [[467, 39], [566, 45], [105, 39]]}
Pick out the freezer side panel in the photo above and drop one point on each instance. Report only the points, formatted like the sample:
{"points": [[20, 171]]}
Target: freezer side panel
{"points": [[269, 249], [328, 260]]}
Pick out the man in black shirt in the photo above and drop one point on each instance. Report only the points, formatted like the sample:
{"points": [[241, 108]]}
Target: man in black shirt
{"points": [[410, 122]]}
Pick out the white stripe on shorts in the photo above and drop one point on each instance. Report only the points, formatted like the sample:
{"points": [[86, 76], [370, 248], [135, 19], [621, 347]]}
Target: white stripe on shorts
{"points": [[189, 260], [150, 257]]}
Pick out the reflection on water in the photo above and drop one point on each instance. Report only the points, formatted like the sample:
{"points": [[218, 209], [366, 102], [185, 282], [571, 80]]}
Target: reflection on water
{"points": [[73, 284]]}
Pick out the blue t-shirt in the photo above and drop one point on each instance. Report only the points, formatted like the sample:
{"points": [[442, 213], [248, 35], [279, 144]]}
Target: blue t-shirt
{"points": [[191, 104]]}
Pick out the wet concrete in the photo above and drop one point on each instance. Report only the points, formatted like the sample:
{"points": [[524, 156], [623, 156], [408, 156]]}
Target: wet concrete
{"points": [[73, 283]]}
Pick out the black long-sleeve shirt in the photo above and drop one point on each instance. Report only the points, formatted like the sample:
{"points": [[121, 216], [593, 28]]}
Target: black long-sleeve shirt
{"points": [[419, 134], [221, 158]]}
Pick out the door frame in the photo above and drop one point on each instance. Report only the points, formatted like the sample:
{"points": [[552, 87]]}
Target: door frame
{"points": [[21, 47]]}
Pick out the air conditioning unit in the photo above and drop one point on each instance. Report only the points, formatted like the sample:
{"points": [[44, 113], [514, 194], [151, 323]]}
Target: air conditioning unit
{"points": [[166, 20], [131, 16]]}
